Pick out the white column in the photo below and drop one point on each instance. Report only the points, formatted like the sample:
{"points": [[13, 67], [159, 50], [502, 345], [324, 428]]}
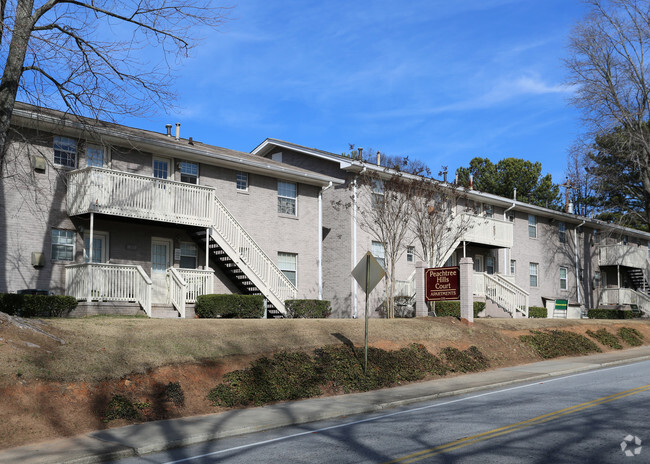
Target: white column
{"points": [[467, 289], [207, 248]]}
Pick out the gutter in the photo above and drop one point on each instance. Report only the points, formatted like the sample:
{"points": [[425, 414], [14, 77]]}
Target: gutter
{"points": [[575, 243]]}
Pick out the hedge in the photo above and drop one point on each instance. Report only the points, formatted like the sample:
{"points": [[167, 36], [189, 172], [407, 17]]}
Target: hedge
{"points": [[37, 305], [452, 308], [611, 314], [537, 312], [309, 309], [230, 306]]}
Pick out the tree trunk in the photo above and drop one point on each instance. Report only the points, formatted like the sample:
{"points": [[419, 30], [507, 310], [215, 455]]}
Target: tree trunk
{"points": [[13, 70]]}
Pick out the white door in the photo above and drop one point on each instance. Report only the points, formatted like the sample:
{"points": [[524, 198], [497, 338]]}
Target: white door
{"points": [[100, 246], [162, 200], [161, 250]]}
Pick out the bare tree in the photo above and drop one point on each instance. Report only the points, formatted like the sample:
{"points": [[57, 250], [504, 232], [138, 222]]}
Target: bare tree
{"points": [[581, 183], [608, 68], [95, 57]]}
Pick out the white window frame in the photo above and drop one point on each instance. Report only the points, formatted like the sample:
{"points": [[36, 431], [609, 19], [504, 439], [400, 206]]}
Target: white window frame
{"points": [[488, 210], [533, 273], [97, 235], [532, 226], [65, 149], [190, 177], [184, 253], [287, 267], [410, 254], [241, 181], [564, 281], [490, 262], [67, 243], [286, 200], [513, 266], [164, 160], [379, 252]]}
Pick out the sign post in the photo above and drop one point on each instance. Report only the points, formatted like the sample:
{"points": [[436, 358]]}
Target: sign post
{"points": [[368, 273]]}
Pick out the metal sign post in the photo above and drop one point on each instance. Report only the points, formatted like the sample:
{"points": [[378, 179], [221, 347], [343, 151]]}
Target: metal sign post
{"points": [[368, 273]]}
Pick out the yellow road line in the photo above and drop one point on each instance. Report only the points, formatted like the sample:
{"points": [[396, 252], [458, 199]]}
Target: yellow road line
{"points": [[514, 427]]}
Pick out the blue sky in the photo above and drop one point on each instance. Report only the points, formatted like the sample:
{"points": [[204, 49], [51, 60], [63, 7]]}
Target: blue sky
{"points": [[441, 81]]}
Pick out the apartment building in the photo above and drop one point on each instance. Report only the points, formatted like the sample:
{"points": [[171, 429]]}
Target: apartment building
{"points": [[116, 215], [523, 255]]}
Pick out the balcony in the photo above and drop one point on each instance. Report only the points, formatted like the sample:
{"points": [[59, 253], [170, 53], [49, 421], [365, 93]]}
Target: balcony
{"points": [[623, 255], [124, 194], [486, 230]]}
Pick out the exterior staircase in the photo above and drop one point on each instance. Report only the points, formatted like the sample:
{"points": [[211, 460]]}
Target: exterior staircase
{"points": [[505, 294], [163, 311], [638, 279]]}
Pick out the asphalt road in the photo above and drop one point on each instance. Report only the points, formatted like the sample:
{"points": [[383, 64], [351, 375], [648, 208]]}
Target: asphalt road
{"points": [[573, 419]]}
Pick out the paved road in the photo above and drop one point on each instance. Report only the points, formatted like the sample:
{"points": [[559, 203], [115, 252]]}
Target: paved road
{"points": [[578, 418]]}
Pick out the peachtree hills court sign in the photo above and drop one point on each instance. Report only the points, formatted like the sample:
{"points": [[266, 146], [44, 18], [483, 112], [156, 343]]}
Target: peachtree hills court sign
{"points": [[442, 283]]}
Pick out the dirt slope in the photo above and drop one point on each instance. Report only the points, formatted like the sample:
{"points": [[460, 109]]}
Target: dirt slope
{"points": [[56, 380]]}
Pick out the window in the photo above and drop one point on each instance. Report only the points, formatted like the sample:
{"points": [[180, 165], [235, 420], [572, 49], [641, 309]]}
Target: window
{"points": [[533, 274], [379, 253], [489, 212], [563, 278], [489, 264], [189, 172], [288, 264], [63, 244], [287, 195], [532, 226], [561, 230], [513, 267], [597, 279], [242, 181], [160, 168], [410, 254], [94, 156], [511, 217], [65, 152], [625, 239], [189, 254], [377, 192], [597, 237]]}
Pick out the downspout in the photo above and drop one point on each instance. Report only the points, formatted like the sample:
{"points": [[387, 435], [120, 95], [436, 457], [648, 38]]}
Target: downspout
{"points": [[505, 218], [575, 243], [354, 240], [320, 240]]}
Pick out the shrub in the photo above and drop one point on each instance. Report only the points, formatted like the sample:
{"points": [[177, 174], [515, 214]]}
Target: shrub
{"points": [[631, 336], [469, 360], [554, 343], [174, 392], [230, 306], [310, 309], [452, 308], [604, 313], [120, 407], [37, 305], [537, 312], [606, 338]]}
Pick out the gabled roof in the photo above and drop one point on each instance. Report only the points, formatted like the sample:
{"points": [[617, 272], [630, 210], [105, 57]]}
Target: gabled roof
{"points": [[25, 115], [270, 144]]}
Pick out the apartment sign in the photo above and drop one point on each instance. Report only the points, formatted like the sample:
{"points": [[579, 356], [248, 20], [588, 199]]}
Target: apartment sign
{"points": [[442, 283]]}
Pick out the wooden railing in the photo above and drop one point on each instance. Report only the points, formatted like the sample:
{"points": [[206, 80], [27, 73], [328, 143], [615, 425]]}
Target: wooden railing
{"points": [[625, 296], [199, 282], [109, 282], [132, 195], [177, 290], [506, 294], [263, 272]]}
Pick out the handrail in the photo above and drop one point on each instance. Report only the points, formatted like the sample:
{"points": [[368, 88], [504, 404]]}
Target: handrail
{"points": [[177, 290], [510, 296], [199, 282], [250, 255], [626, 296]]}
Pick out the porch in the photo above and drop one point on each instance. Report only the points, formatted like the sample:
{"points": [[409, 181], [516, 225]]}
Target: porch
{"points": [[103, 282], [624, 297]]}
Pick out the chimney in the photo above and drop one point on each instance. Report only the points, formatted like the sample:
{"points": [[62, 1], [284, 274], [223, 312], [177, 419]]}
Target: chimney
{"points": [[569, 207], [514, 194], [444, 176], [471, 181], [378, 159], [360, 150], [178, 131], [169, 129]]}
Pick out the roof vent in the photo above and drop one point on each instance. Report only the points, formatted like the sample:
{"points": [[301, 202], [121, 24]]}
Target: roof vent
{"points": [[169, 129], [178, 131]]}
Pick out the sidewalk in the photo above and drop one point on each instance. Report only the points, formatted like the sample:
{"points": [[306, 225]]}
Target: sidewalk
{"points": [[156, 436]]}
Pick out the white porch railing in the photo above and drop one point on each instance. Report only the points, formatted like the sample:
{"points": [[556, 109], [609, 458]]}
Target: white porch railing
{"points": [[486, 230], [625, 296], [132, 195], [109, 282], [405, 287], [250, 257], [506, 294], [177, 290], [199, 282]]}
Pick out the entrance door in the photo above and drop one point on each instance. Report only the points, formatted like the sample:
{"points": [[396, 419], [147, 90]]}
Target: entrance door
{"points": [[478, 263], [161, 250], [100, 245], [162, 192]]}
